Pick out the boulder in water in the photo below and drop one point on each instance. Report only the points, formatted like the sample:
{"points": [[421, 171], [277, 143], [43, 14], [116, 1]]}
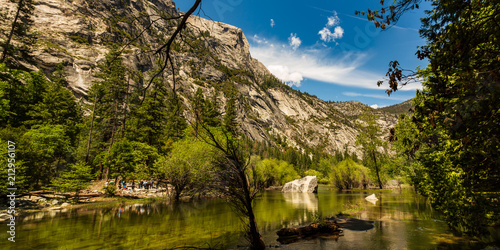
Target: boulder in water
{"points": [[372, 198], [308, 184]]}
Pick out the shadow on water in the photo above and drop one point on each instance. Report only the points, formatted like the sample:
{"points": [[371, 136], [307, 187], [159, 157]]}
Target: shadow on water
{"points": [[402, 220]]}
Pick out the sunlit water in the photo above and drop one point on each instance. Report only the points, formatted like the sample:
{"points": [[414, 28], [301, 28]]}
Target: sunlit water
{"points": [[402, 221]]}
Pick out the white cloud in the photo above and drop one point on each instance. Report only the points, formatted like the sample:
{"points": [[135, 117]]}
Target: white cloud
{"points": [[338, 32], [294, 65], [283, 73], [333, 20], [316, 63], [258, 39], [328, 36], [378, 96], [294, 41], [374, 106], [272, 23]]}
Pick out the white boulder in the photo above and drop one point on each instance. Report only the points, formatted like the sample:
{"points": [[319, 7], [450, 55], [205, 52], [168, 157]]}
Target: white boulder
{"points": [[308, 184], [372, 199]]}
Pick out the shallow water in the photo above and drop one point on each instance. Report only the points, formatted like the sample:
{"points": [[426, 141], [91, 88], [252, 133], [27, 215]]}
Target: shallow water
{"points": [[402, 221]]}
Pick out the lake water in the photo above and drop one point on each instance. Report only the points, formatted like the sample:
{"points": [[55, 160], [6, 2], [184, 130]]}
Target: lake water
{"points": [[402, 221]]}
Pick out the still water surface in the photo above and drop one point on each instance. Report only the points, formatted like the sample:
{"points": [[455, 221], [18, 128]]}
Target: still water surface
{"points": [[402, 221]]}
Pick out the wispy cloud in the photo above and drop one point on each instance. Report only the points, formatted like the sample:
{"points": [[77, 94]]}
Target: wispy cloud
{"points": [[293, 65], [377, 96], [361, 18], [272, 23], [294, 41]]}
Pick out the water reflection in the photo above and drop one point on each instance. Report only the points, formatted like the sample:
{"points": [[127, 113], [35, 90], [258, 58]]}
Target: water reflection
{"points": [[402, 221], [306, 201]]}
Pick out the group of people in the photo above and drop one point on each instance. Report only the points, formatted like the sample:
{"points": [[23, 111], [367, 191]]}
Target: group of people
{"points": [[145, 184], [148, 184]]}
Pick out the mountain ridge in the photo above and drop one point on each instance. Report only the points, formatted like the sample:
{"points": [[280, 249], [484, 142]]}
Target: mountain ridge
{"points": [[213, 56]]}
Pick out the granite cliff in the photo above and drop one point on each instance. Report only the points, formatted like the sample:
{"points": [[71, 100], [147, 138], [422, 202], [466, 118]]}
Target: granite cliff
{"points": [[208, 55]]}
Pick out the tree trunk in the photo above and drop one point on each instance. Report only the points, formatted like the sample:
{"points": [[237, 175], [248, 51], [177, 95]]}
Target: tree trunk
{"points": [[90, 135], [126, 107], [112, 135], [9, 38], [256, 240], [377, 170]]}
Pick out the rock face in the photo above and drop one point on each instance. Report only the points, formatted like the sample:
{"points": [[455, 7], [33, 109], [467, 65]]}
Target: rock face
{"points": [[308, 184], [78, 33]]}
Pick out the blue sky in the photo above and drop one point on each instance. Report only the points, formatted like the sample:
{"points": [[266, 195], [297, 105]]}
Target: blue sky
{"points": [[321, 47]]}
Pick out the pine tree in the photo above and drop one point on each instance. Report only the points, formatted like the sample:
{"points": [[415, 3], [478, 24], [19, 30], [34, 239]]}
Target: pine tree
{"points": [[111, 102], [148, 120], [74, 180], [198, 107], [19, 32], [176, 122], [230, 123], [57, 106]]}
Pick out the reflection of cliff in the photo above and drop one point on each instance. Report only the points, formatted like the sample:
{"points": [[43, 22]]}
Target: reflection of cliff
{"points": [[307, 201]]}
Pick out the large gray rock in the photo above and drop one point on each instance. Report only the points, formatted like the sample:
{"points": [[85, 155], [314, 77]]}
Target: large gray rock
{"points": [[308, 184], [78, 33]]}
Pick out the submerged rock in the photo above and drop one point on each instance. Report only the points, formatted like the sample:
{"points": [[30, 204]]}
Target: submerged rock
{"points": [[308, 184], [325, 228], [354, 224]]}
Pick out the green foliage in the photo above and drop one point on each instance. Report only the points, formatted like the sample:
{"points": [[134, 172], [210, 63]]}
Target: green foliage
{"points": [[188, 166], [348, 174], [148, 120], [48, 150], [109, 190], [20, 168], [205, 111], [320, 176], [272, 172], [79, 39], [77, 178], [457, 114], [131, 159], [57, 105], [176, 123], [369, 139], [229, 119]]}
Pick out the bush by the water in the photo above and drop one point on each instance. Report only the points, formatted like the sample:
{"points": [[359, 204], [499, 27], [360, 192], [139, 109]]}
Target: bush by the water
{"points": [[109, 190], [272, 172], [348, 174]]}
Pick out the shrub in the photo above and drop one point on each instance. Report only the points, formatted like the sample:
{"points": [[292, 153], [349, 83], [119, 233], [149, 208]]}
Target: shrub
{"points": [[109, 190], [348, 174], [273, 172]]}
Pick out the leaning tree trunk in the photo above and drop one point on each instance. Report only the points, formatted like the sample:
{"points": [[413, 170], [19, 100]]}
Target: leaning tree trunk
{"points": [[255, 238], [377, 170], [11, 33]]}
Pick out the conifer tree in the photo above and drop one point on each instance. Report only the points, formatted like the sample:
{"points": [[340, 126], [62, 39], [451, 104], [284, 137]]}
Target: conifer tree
{"points": [[176, 122], [230, 116], [77, 178], [148, 120], [198, 107], [111, 99], [19, 31]]}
